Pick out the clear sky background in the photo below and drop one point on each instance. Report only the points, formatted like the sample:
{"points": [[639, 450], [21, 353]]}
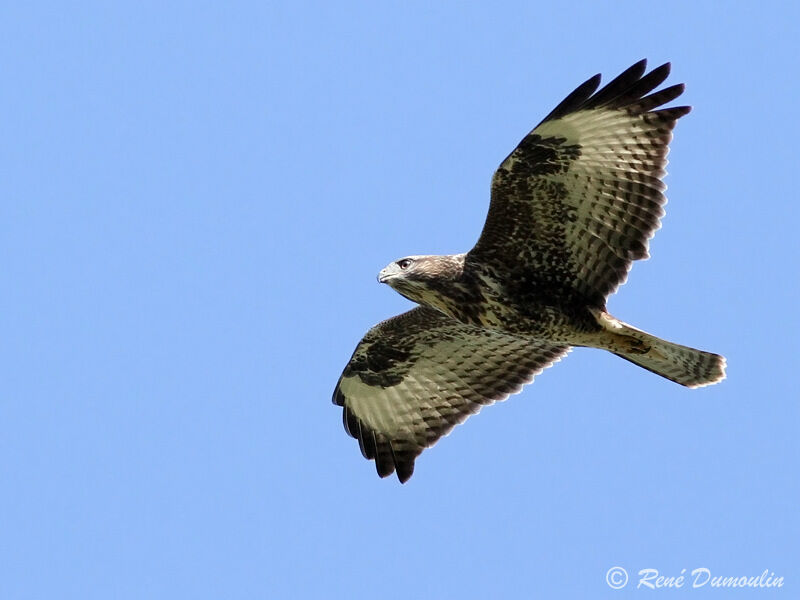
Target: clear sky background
{"points": [[196, 199]]}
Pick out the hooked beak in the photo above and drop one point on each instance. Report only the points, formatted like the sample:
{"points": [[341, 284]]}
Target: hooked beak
{"points": [[387, 274]]}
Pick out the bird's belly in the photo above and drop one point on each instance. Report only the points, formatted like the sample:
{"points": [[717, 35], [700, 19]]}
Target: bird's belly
{"points": [[543, 312], [568, 324]]}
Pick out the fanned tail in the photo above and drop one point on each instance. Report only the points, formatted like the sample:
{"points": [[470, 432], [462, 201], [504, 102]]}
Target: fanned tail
{"points": [[681, 364]]}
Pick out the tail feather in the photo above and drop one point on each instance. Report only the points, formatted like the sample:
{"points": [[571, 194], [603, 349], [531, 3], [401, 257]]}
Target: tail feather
{"points": [[681, 364]]}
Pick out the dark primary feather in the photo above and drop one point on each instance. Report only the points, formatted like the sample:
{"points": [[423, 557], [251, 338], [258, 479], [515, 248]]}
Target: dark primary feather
{"points": [[414, 377], [580, 197], [575, 100]]}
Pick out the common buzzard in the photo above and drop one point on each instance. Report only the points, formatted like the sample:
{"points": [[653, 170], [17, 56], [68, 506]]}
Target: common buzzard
{"points": [[572, 207]]}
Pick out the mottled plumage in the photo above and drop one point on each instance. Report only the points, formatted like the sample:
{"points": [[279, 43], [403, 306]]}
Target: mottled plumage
{"points": [[571, 208], [414, 377]]}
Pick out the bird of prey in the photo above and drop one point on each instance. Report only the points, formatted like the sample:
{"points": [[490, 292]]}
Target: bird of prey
{"points": [[572, 207]]}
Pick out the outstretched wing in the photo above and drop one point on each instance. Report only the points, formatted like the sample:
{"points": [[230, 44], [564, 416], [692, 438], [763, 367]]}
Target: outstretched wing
{"points": [[580, 197], [414, 377]]}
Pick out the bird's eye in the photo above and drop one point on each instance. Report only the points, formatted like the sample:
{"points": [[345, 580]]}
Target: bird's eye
{"points": [[404, 264]]}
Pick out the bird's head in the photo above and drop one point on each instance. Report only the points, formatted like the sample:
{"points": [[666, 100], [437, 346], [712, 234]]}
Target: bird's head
{"points": [[421, 278]]}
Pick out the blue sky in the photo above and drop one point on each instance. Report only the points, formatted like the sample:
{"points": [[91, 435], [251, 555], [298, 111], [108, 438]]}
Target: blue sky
{"points": [[196, 199]]}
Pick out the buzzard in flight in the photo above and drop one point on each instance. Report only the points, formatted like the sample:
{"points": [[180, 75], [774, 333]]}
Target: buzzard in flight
{"points": [[572, 207]]}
